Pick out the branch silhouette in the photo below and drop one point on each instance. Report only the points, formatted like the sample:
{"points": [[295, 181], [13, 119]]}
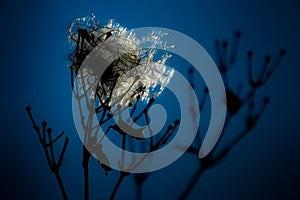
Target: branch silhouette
{"points": [[235, 101], [47, 143], [86, 36], [85, 40]]}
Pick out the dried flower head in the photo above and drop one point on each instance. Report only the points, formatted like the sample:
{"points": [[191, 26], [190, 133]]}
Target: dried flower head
{"points": [[136, 73]]}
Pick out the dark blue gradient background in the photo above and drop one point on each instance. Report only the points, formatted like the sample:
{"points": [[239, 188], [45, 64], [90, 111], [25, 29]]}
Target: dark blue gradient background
{"points": [[34, 70]]}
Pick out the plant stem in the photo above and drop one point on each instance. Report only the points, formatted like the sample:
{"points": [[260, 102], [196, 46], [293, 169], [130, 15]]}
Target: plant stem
{"points": [[85, 164], [138, 193], [61, 185], [86, 182], [116, 188], [189, 187]]}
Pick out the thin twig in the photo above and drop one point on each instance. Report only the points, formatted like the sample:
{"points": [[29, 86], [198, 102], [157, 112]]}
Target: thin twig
{"points": [[49, 145], [117, 186], [191, 184]]}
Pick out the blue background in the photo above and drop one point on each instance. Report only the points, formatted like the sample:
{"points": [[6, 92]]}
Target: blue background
{"points": [[34, 70]]}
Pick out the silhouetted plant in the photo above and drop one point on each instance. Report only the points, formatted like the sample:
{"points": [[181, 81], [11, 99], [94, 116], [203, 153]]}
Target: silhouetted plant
{"points": [[86, 34], [47, 143], [235, 101], [117, 86]]}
